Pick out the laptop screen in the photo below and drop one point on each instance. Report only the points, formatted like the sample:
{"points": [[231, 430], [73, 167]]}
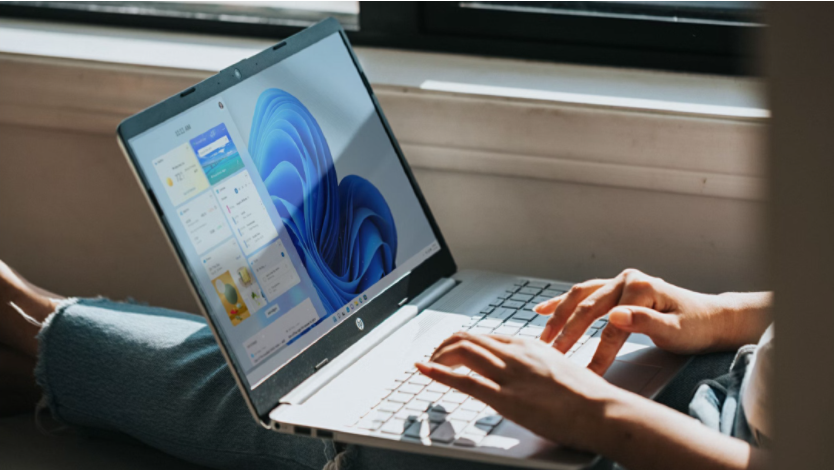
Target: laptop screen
{"points": [[289, 204]]}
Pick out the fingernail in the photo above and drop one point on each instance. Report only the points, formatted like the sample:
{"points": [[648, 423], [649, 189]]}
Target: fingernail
{"points": [[620, 316], [546, 332]]}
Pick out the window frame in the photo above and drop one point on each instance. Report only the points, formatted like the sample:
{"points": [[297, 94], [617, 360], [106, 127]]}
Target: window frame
{"points": [[723, 48]]}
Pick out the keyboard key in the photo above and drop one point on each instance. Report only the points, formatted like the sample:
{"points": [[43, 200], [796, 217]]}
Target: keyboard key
{"points": [[419, 379], [489, 420], [455, 397], [427, 395], [475, 319], [458, 425], [489, 323], [496, 302], [537, 285], [438, 387], [502, 313], [507, 330], [520, 282], [417, 405], [474, 405], [532, 331], [539, 299], [395, 426], [525, 315], [540, 320], [445, 433], [389, 406], [599, 323], [505, 295], [521, 298], [418, 430], [408, 415], [550, 293], [449, 406], [403, 377], [379, 415], [438, 413], [514, 304], [399, 397], [529, 291], [530, 306], [487, 310], [410, 388], [512, 322], [480, 331], [464, 415]]}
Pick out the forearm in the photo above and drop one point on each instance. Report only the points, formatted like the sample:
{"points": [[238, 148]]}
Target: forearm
{"points": [[641, 434], [744, 317]]}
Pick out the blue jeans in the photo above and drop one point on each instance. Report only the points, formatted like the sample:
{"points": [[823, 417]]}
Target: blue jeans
{"points": [[157, 375]]}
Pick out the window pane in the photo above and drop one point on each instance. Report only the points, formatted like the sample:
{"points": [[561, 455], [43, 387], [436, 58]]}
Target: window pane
{"points": [[299, 14], [744, 13]]}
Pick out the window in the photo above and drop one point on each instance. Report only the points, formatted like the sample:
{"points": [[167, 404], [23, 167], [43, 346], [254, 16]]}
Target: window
{"points": [[704, 37]]}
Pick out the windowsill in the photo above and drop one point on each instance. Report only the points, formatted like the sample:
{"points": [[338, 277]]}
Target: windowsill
{"points": [[715, 96], [668, 132]]}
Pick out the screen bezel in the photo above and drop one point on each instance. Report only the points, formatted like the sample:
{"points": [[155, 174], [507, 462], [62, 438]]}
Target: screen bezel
{"points": [[265, 397]]}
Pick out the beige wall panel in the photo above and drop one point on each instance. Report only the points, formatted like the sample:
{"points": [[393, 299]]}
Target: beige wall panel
{"points": [[73, 219], [575, 232]]}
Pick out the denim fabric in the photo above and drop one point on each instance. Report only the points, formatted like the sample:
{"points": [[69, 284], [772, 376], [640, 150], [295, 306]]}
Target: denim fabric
{"points": [[716, 402], [157, 375]]}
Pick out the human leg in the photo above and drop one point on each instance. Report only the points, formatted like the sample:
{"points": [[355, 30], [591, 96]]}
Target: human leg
{"points": [[150, 373]]}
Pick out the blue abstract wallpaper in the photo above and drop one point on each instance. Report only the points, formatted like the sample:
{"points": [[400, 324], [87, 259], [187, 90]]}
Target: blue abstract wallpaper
{"points": [[343, 230]]}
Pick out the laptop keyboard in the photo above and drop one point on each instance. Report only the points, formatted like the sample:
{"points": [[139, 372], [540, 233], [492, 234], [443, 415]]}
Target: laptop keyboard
{"points": [[416, 407]]}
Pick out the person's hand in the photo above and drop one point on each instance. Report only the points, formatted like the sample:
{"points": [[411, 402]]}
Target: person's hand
{"points": [[676, 319], [528, 382]]}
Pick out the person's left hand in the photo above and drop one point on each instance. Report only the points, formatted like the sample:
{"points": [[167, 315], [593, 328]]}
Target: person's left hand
{"points": [[528, 382]]}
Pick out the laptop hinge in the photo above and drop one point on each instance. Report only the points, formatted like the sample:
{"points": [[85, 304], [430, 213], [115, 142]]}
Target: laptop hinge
{"points": [[339, 364]]}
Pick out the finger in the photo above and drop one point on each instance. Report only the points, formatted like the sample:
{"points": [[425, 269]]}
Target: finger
{"points": [[549, 306], [565, 307], [610, 343], [468, 354], [587, 311], [458, 336], [644, 320], [479, 387], [491, 343]]}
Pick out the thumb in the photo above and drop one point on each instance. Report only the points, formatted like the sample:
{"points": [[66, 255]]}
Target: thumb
{"points": [[641, 320]]}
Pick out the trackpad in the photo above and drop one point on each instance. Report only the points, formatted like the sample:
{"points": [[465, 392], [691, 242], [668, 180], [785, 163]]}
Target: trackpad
{"points": [[630, 376]]}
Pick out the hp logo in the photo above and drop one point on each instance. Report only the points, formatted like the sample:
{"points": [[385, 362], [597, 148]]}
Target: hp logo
{"points": [[360, 324]]}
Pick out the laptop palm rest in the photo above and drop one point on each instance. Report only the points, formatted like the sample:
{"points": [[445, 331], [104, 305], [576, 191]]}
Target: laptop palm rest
{"points": [[631, 376]]}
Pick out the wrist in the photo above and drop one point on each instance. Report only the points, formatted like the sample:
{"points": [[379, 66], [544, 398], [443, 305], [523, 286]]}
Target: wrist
{"points": [[617, 427], [743, 317], [599, 431]]}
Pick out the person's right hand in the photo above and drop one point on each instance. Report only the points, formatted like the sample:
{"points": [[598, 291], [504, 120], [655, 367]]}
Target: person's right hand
{"points": [[676, 319]]}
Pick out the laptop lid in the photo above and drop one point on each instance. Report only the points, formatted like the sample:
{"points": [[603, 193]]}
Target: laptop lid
{"points": [[290, 205]]}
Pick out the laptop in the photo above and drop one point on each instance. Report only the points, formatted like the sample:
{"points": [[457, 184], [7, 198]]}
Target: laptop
{"points": [[320, 269]]}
